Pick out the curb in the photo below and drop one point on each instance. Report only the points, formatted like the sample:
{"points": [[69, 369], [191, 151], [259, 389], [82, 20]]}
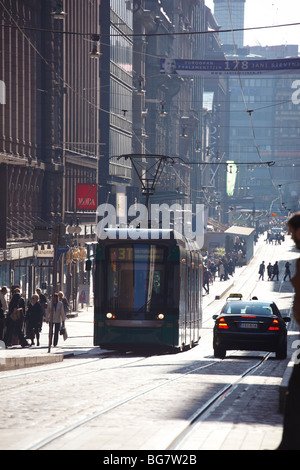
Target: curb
{"points": [[283, 387], [11, 363]]}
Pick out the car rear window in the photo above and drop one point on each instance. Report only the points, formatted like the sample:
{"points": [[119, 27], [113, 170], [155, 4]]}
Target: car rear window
{"points": [[250, 308]]}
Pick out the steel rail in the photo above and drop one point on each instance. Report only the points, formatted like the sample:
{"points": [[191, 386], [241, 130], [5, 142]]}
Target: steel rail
{"points": [[211, 404], [39, 445]]}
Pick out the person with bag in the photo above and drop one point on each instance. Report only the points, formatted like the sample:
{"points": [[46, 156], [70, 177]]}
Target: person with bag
{"points": [[58, 316], [15, 319], [34, 317]]}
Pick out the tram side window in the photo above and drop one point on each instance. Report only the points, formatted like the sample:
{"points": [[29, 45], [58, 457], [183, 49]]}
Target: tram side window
{"points": [[173, 290]]}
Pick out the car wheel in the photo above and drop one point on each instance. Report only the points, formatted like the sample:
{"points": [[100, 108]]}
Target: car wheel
{"points": [[219, 352], [281, 352]]}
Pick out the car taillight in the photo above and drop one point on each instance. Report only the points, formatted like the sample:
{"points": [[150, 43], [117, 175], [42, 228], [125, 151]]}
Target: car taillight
{"points": [[222, 325], [274, 326]]}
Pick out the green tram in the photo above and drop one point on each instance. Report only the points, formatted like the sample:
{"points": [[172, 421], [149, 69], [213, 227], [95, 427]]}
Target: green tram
{"points": [[147, 292]]}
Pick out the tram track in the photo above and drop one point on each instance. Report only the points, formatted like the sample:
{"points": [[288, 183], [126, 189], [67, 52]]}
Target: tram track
{"points": [[202, 413], [62, 366], [42, 444], [195, 418]]}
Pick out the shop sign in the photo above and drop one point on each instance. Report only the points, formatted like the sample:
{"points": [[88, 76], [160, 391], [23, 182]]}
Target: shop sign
{"points": [[44, 251], [86, 197]]}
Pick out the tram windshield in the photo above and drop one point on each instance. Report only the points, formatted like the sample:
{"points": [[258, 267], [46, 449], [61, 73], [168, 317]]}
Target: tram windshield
{"points": [[136, 279]]}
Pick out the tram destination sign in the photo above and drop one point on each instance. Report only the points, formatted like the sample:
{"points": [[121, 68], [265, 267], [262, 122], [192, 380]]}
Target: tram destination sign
{"points": [[206, 67]]}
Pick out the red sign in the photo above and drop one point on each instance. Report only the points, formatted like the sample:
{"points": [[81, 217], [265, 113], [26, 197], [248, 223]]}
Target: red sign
{"points": [[86, 197]]}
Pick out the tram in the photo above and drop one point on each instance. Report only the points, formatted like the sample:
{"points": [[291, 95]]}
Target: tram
{"points": [[147, 292]]}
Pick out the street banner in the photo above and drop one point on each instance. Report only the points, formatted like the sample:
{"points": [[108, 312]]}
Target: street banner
{"points": [[83, 294], [210, 68]]}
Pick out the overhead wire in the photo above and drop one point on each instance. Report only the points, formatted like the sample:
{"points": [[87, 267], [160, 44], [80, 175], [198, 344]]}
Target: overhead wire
{"points": [[248, 110], [171, 33], [67, 85]]}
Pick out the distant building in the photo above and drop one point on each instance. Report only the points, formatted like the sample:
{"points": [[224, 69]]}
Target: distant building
{"points": [[230, 15]]}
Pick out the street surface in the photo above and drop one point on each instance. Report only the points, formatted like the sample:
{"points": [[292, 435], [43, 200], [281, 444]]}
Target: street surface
{"points": [[106, 400]]}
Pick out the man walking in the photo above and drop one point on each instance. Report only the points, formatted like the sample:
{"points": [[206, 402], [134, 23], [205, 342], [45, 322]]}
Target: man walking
{"points": [[287, 271], [275, 271], [261, 271]]}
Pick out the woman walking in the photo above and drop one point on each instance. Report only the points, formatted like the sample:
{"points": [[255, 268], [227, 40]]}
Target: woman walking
{"points": [[34, 317], [58, 316]]}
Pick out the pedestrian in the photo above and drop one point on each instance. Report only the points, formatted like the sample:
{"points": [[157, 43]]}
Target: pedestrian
{"points": [[58, 316], [261, 270], [206, 279], [34, 316], [269, 271], [3, 309], [221, 271], [287, 271], [42, 300], [15, 320], [64, 300], [291, 422], [3, 300], [275, 271]]}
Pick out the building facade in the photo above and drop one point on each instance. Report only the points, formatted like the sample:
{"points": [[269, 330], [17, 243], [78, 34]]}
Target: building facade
{"points": [[230, 15]]}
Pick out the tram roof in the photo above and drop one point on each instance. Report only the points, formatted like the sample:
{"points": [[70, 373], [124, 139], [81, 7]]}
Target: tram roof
{"points": [[150, 234]]}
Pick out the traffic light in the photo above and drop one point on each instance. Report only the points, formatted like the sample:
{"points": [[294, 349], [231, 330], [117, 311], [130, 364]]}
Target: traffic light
{"points": [[61, 234], [58, 237]]}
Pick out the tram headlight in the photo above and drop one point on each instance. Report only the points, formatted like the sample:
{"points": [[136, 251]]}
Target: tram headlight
{"points": [[160, 316], [110, 315]]}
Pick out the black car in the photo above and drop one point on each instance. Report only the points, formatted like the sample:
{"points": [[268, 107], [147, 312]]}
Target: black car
{"points": [[250, 325]]}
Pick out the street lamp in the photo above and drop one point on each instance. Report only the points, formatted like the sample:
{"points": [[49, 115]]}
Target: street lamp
{"points": [[59, 14], [94, 54]]}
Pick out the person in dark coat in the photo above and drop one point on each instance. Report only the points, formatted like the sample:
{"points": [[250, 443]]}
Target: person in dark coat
{"points": [[34, 318], [270, 271], [275, 271], [287, 271], [15, 327], [261, 271]]}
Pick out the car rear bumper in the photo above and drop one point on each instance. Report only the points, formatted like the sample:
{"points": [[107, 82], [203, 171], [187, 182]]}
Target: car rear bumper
{"points": [[246, 341]]}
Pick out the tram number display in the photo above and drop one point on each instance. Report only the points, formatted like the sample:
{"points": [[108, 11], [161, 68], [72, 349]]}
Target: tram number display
{"points": [[137, 253]]}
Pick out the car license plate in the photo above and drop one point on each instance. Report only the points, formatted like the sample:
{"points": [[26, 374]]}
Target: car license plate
{"points": [[248, 325]]}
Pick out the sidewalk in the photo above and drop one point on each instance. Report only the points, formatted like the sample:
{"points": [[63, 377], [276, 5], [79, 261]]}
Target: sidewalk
{"points": [[80, 341], [80, 336]]}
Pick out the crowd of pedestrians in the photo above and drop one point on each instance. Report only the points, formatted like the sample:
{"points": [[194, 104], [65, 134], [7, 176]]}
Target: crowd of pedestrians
{"points": [[274, 237], [22, 321], [221, 267]]}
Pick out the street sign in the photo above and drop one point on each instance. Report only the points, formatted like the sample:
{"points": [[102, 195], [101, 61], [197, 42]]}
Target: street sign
{"points": [[63, 249]]}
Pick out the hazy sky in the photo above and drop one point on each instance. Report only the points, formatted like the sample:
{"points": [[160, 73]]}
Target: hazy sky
{"points": [[269, 13]]}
